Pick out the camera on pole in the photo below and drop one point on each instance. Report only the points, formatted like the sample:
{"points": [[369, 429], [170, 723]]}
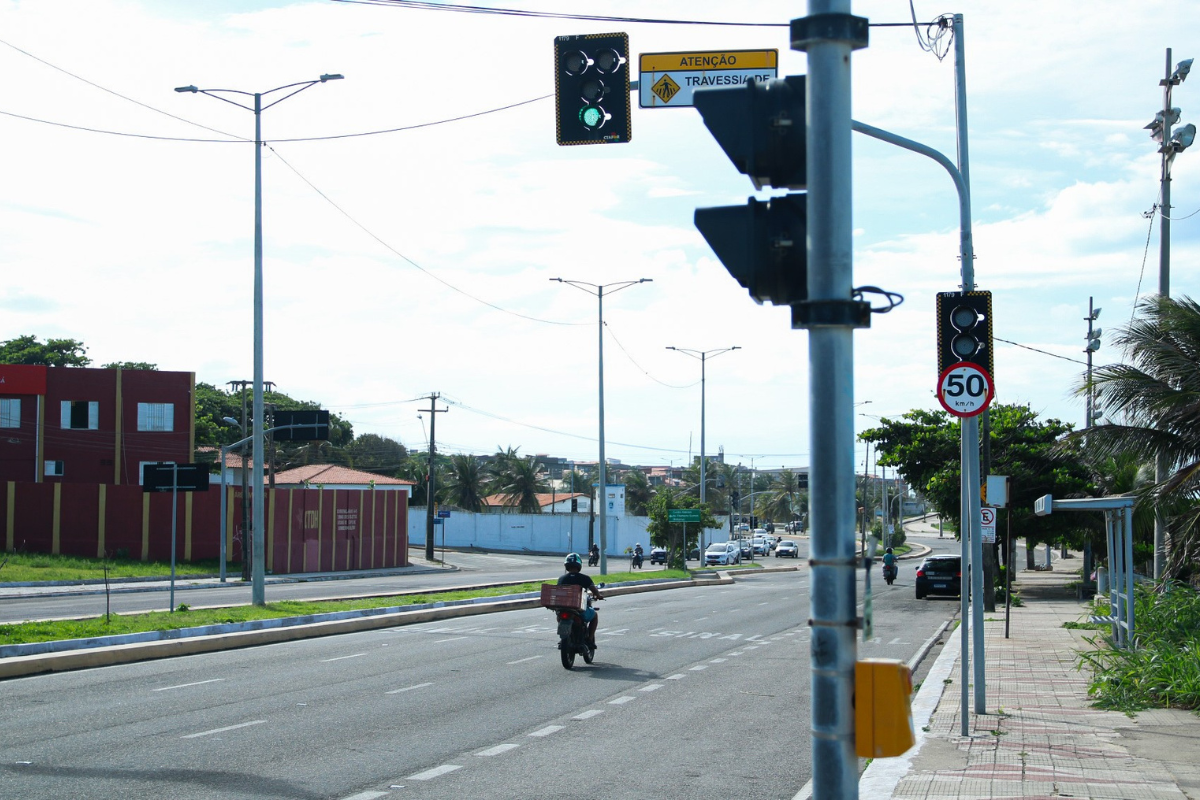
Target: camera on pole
{"points": [[591, 89], [761, 127]]}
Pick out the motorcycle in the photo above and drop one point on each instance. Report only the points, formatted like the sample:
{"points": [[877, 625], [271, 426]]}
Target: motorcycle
{"points": [[890, 573], [593, 558], [635, 560], [572, 633]]}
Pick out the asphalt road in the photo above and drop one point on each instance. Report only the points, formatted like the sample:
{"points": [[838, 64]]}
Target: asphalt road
{"points": [[699, 692]]}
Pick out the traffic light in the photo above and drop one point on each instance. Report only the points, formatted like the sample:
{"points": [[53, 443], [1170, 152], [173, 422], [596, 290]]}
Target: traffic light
{"points": [[591, 88], [761, 127], [964, 329]]}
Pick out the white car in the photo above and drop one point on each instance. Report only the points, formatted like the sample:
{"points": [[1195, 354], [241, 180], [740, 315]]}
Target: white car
{"points": [[761, 545], [722, 553]]}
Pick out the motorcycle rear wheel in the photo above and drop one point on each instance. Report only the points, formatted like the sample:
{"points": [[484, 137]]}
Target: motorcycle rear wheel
{"points": [[568, 658]]}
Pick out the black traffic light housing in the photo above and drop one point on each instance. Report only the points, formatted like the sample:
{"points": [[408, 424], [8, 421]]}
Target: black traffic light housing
{"points": [[964, 321], [761, 127], [591, 89]]}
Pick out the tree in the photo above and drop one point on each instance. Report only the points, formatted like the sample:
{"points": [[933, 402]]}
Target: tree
{"points": [[466, 483], [520, 481], [784, 499], [138, 365], [670, 534], [637, 493], [54, 353], [1157, 400], [374, 453]]}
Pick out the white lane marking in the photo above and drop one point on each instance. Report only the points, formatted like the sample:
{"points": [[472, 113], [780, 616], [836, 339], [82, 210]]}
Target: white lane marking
{"points": [[185, 685], [523, 660], [497, 750], [341, 658], [546, 731], [366, 796], [410, 688], [620, 701], [429, 774], [222, 730], [591, 712], [718, 661], [752, 647], [698, 667], [675, 677], [738, 653], [763, 604], [451, 639], [897, 640], [652, 687]]}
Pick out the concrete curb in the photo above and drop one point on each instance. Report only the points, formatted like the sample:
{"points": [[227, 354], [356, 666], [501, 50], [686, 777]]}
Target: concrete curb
{"points": [[181, 644]]}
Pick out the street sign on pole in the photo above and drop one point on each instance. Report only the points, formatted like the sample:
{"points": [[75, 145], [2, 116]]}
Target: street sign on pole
{"points": [[683, 515], [444, 513], [667, 80], [987, 524], [965, 390]]}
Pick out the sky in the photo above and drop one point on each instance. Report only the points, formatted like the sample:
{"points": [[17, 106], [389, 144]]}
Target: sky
{"points": [[421, 259]]}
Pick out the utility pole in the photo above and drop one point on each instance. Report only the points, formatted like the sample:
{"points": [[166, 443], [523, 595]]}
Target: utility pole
{"points": [[247, 539], [430, 482]]}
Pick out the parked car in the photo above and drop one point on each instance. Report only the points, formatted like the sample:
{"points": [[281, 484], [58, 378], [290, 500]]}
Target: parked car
{"points": [[760, 546], [787, 549], [939, 575], [658, 555], [722, 553]]}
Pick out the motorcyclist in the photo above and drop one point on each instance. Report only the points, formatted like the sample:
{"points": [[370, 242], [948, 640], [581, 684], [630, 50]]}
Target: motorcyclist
{"points": [[575, 577], [638, 553], [594, 553], [889, 559]]}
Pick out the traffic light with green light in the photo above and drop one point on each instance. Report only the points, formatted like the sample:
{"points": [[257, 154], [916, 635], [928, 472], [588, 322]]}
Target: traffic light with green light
{"points": [[964, 321], [761, 127], [591, 89]]}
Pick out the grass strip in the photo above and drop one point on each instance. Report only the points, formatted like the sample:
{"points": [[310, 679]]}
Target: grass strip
{"points": [[37, 567], [186, 617]]}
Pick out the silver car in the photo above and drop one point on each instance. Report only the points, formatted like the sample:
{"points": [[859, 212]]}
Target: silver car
{"points": [[723, 554]]}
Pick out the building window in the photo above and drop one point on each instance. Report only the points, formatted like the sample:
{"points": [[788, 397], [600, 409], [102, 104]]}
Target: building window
{"points": [[156, 417], [10, 413], [81, 415], [54, 469]]}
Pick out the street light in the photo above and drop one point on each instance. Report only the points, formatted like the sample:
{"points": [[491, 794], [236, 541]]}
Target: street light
{"points": [[598, 291], [258, 571], [702, 355]]}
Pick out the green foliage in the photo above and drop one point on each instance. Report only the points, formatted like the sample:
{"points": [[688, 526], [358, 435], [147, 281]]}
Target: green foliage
{"points": [[136, 365], [32, 567], [637, 493], [53, 353], [1163, 669], [466, 483], [518, 479], [670, 534], [371, 452]]}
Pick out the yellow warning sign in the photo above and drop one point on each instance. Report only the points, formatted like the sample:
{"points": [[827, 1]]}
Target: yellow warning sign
{"points": [[665, 88]]}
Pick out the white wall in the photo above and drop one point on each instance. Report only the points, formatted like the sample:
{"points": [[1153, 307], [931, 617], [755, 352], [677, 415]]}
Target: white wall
{"points": [[547, 533]]}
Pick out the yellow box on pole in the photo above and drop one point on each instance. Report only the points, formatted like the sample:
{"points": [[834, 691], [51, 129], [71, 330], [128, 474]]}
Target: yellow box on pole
{"points": [[882, 709]]}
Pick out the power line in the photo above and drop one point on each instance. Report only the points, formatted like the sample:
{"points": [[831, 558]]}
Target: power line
{"points": [[608, 328], [405, 258], [1043, 352]]}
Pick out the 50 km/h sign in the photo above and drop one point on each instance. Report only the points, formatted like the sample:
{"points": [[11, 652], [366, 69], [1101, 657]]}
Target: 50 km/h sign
{"points": [[667, 80], [965, 389]]}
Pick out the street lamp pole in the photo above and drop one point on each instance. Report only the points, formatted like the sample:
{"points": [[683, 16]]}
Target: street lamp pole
{"points": [[258, 571], [702, 355], [601, 493]]}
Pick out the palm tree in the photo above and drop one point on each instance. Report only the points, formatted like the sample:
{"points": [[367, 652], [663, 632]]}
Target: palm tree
{"points": [[782, 499], [465, 483], [1157, 397], [637, 493], [520, 482]]}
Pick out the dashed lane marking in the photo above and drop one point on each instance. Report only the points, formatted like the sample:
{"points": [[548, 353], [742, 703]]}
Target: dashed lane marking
{"points": [[186, 685], [591, 712], [451, 639], [546, 731], [718, 661], [523, 660], [341, 658], [497, 750], [430, 774], [222, 730], [366, 796], [651, 687], [620, 701], [675, 677], [698, 667], [410, 688]]}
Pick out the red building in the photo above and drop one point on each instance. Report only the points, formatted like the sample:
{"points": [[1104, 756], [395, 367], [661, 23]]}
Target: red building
{"points": [[79, 425]]}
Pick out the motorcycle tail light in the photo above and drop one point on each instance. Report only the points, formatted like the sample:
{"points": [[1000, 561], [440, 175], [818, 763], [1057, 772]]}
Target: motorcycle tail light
{"points": [[564, 615], [920, 573]]}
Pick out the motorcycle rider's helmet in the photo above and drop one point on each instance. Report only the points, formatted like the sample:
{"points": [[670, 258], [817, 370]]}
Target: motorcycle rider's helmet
{"points": [[888, 550], [573, 558], [639, 544]]}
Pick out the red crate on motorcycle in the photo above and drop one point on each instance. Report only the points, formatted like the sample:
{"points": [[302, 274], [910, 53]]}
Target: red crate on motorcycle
{"points": [[555, 596]]}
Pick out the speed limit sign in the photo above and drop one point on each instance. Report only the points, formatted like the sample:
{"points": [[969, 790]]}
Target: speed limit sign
{"points": [[965, 389]]}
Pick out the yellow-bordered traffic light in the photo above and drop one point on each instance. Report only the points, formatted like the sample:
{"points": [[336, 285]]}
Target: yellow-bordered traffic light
{"points": [[591, 89], [964, 321]]}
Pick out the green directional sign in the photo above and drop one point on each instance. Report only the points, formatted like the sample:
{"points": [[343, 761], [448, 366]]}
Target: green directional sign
{"points": [[683, 515]]}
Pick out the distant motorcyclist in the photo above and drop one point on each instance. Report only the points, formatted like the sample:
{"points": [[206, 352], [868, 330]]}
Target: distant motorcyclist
{"points": [[594, 555], [575, 577], [638, 555], [889, 558]]}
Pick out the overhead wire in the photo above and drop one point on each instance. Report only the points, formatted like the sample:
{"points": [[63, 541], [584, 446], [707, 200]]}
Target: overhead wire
{"points": [[633, 361]]}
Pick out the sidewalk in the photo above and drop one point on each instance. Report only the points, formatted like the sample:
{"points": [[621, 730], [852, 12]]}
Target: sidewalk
{"points": [[1040, 737]]}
